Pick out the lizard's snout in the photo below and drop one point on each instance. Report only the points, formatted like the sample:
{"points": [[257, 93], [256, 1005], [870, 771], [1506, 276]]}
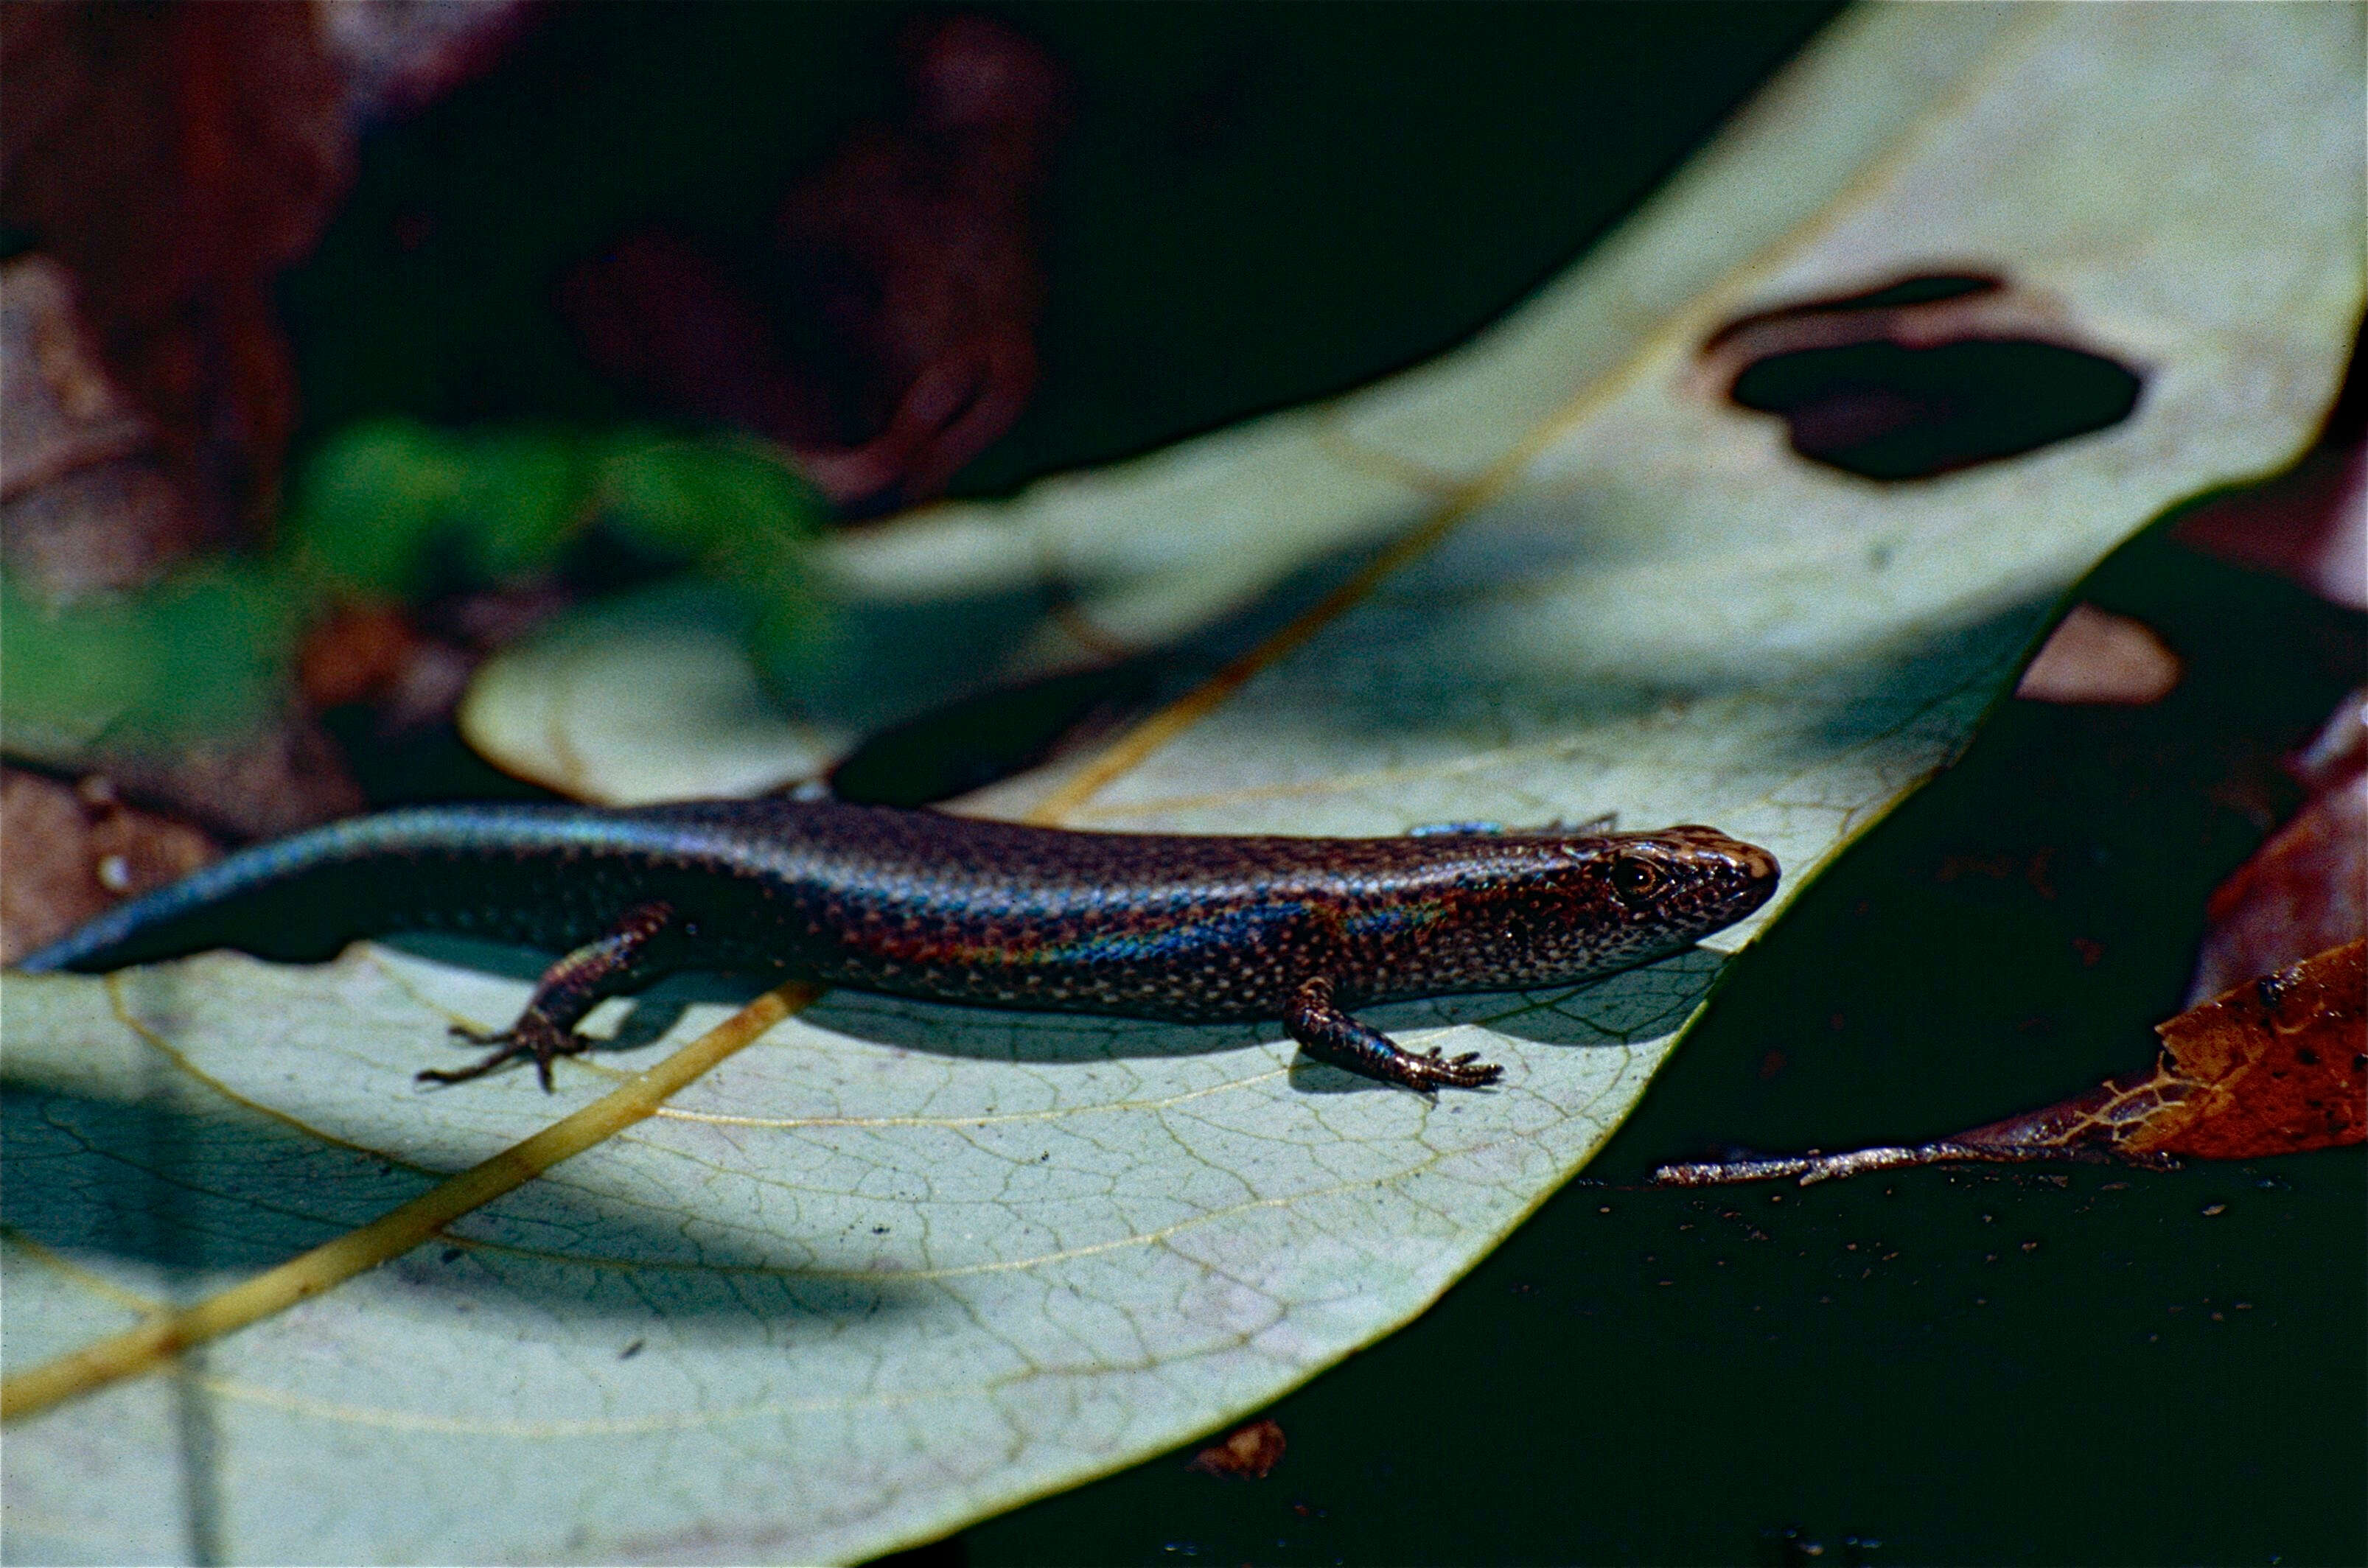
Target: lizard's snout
{"points": [[1741, 876]]}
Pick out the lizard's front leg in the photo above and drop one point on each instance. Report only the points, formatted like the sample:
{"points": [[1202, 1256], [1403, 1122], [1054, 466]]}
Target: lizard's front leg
{"points": [[634, 954], [1326, 1033]]}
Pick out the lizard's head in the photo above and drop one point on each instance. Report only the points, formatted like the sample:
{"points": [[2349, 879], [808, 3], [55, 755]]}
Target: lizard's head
{"points": [[1679, 883], [1544, 908]]}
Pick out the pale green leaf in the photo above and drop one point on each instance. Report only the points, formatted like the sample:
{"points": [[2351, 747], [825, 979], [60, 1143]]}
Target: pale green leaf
{"points": [[898, 1266], [649, 696]]}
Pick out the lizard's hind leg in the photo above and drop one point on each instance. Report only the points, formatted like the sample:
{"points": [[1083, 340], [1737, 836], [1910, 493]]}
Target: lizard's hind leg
{"points": [[627, 958]]}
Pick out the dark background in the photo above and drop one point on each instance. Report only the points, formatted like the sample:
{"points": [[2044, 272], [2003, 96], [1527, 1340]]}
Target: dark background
{"points": [[1259, 205]]}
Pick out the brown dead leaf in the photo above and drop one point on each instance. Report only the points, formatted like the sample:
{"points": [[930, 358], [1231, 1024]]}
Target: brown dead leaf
{"points": [[174, 158], [2095, 655], [357, 653], [2269, 1067], [1246, 1453], [2307, 889], [2274, 1066], [288, 776], [72, 852], [83, 507]]}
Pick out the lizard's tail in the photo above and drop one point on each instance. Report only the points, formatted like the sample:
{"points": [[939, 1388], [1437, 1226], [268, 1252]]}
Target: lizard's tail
{"points": [[304, 897], [228, 903]]}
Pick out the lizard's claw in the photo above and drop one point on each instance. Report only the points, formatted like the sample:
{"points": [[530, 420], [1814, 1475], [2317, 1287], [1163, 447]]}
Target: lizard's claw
{"points": [[533, 1035], [1431, 1071]]}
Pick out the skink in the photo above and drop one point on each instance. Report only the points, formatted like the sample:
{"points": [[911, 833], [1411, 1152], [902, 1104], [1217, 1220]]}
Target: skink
{"points": [[952, 909]]}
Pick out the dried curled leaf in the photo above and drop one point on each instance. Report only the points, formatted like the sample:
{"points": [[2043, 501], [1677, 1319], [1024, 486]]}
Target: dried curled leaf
{"points": [[2274, 1066], [2271, 1067], [84, 507], [2097, 656], [1245, 1453]]}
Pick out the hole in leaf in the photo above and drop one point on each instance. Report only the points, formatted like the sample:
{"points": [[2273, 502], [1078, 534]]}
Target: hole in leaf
{"points": [[1920, 376], [1925, 288], [1888, 411]]}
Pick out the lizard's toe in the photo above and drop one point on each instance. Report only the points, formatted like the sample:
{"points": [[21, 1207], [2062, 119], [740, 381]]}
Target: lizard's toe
{"points": [[531, 1036]]}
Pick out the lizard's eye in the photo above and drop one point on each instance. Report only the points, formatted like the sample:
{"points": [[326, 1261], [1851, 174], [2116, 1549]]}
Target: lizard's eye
{"points": [[1633, 878]]}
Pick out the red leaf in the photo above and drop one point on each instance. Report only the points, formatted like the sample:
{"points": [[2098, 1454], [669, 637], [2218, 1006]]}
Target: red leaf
{"points": [[2307, 889], [2277, 1065], [2271, 1067]]}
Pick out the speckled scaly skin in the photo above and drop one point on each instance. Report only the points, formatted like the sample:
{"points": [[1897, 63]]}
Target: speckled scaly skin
{"points": [[919, 903]]}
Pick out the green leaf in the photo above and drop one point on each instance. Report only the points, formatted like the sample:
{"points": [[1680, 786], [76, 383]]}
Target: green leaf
{"points": [[372, 501], [202, 656], [525, 493], [718, 500], [386, 504], [745, 516], [380, 501], [899, 1266]]}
